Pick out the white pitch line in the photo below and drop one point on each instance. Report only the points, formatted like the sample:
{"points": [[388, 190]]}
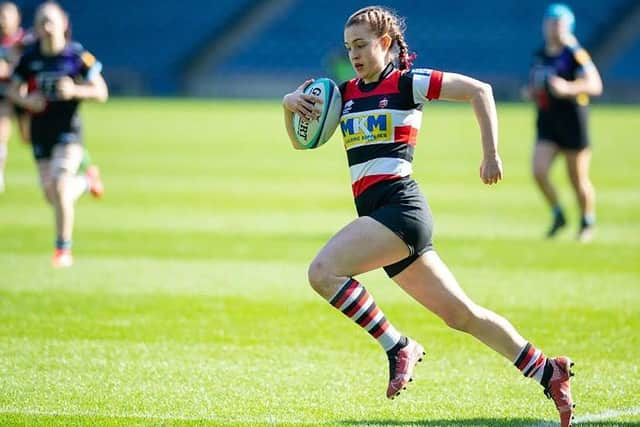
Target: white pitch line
{"points": [[589, 418], [608, 414]]}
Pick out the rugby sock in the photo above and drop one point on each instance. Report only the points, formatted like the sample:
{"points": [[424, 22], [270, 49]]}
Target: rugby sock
{"points": [[63, 244], [4, 152], [534, 364], [357, 304], [557, 211], [588, 220]]}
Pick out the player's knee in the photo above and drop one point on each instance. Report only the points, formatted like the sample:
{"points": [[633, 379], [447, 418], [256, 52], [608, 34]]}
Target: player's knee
{"points": [[60, 185], [49, 192], [320, 275], [540, 173]]}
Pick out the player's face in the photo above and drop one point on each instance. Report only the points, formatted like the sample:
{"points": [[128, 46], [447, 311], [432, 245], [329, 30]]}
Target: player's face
{"points": [[554, 29], [366, 51], [50, 23], [9, 20]]}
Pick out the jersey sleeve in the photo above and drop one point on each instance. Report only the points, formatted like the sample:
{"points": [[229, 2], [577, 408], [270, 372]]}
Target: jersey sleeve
{"points": [[426, 84], [21, 71], [90, 67], [581, 59]]}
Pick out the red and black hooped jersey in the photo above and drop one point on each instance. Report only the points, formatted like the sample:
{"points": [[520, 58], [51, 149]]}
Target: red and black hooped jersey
{"points": [[380, 123]]}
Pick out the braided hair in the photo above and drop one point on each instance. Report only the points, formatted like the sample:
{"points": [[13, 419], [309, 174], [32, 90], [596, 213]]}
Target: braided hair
{"points": [[385, 21]]}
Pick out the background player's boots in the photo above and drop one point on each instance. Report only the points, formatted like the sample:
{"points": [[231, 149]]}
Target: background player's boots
{"points": [[95, 182], [62, 258]]}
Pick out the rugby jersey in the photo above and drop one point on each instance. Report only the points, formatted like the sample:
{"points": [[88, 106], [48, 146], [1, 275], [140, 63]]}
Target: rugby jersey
{"points": [[569, 64], [380, 123], [10, 53], [42, 73]]}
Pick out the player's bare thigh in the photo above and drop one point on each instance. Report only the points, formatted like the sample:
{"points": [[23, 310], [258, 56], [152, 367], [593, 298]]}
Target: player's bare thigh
{"points": [[6, 111], [66, 159], [544, 153], [362, 245]]}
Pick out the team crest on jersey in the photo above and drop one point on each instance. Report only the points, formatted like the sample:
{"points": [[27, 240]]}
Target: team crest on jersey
{"points": [[347, 106], [383, 103], [366, 129]]}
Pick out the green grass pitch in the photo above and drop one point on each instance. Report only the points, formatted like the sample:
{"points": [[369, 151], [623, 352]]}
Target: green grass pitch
{"points": [[188, 303]]}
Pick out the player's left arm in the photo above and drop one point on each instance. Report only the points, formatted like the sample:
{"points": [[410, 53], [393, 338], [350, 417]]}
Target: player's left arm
{"points": [[91, 87], [457, 87], [589, 81]]}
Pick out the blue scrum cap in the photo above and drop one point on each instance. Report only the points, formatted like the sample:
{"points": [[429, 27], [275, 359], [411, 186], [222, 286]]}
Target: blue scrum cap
{"points": [[561, 11]]}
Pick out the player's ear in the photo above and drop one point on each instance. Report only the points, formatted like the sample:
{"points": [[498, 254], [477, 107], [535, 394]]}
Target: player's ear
{"points": [[385, 41]]}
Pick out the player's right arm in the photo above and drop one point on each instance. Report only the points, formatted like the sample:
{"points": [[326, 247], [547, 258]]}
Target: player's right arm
{"points": [[33, 102], [302, 104], [17, 92]]}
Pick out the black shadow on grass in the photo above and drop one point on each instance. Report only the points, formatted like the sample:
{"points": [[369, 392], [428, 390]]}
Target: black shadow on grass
{"points": [[485, 422]]}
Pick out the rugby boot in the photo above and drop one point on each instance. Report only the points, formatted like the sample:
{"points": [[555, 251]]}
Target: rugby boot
{"points": [[401, 365], [95, 182], [559, 389], [62, 258]]}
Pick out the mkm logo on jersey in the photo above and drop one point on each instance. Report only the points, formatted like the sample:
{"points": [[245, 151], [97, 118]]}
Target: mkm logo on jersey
{"points": [[366, 129]]}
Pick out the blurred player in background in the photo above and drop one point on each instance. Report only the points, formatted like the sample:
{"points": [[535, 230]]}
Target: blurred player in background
{"points": [[58, 74], [562, 79], [394, 228], [11, 36]]}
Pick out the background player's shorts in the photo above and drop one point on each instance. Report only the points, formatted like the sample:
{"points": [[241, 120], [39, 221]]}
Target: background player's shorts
{"points": [[43, 149], [65, 158], [401, 207], [568, 129]]}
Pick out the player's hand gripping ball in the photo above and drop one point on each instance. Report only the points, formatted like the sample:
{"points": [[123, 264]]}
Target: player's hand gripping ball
{"points": [[312, 133]]}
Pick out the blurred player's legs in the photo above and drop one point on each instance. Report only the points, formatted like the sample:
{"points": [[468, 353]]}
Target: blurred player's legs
{"points": [[544, 154], [578, 168], [5, 131], [62, 187]]}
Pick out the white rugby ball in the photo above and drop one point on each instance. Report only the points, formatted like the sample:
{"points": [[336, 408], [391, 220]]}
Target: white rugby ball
{"points": [[313, 133]]}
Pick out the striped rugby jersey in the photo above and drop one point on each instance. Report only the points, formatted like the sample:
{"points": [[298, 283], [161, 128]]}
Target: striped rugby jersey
{"points": [[380, 123]]}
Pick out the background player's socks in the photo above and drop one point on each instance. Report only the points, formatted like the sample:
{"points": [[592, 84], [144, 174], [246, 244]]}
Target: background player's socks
{"points": [[63, 244], [587, 223], [559, 221], [588, 220], [85, 162], [4, 151], [534, 364], [356, 303]]}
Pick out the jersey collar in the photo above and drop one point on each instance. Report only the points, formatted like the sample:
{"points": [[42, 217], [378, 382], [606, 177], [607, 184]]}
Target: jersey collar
{"points": [[366, 87]]}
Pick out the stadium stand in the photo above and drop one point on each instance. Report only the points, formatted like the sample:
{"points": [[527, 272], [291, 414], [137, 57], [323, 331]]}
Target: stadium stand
{"points": [[148, 46]]}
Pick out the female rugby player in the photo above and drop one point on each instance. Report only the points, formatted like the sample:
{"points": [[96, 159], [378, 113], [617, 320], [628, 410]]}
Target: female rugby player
{"points": [[59, 74], [382, 111], [10, 38], [562, 79]]}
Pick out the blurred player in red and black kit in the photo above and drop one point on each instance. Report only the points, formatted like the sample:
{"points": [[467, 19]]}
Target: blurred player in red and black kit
{"points": [[59, 74], [11, 40], [562, 79]]}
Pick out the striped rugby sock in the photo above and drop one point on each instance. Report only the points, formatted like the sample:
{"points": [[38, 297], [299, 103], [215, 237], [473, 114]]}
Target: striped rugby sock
{"points": [[357, 304], [534, 364]]}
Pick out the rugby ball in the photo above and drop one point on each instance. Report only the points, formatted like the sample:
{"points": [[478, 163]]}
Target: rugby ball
{"points": [[313, 133]]}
